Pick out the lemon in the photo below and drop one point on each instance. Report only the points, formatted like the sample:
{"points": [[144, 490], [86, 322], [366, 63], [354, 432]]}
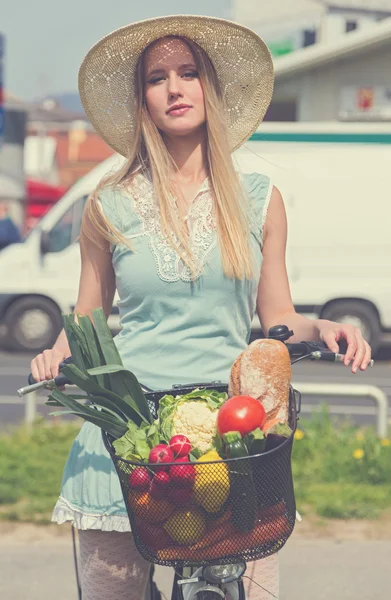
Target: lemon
{"points": [[211, 489], [186, 526]]}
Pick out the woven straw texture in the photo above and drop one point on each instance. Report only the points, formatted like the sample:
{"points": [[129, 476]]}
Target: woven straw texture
{"points": [[242, 61]]}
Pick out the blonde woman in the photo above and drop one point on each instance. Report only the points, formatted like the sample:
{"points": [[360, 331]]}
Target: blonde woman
{"points": [[192, 246]]}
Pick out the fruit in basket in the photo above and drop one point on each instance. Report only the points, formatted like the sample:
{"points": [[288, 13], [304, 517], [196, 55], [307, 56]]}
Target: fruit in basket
{"points": [[140, 479], [160, 455], [153, 510], [160, 484], [225, 540], [182, 459], [186, 526], [180, 495], [153, 536], [180, 445], [212, 485], [193, 415], [240, 413], [182, 474]]}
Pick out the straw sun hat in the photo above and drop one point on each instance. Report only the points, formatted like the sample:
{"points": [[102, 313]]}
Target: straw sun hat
{"points": [[241, 59]]}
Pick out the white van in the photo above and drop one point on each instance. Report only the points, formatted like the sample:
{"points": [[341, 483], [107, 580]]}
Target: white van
{"points": [[337, 188]]}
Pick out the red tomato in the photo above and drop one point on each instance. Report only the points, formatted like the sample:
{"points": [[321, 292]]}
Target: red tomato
{"points": [[240, 413]]}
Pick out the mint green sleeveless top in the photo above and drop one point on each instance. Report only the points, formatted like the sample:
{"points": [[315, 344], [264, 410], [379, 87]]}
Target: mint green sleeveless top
{"points": [[176, 327]]}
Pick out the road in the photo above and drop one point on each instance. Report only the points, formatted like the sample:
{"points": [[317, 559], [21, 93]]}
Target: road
{"points": [[320, 569], [15, 367], [310, 570]]}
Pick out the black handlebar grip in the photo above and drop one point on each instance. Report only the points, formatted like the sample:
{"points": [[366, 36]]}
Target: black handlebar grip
{"points": [[60, 380], [31, 379]]}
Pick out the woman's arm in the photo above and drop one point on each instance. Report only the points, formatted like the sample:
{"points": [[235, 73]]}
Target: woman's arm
{"points": [[96, 289], [274, 301]]}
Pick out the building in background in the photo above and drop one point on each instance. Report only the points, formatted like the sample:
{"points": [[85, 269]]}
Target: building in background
{"points": [[348, 79], [61, 145], [288, 25], [45, 150]]}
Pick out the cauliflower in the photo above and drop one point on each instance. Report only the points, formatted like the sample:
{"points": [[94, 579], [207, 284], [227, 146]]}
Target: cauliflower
{"points": [[198, 422], [193, 415]]}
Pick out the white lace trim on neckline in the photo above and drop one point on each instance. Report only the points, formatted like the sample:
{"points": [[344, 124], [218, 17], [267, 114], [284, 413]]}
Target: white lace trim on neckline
{"points": [[202, 230]]}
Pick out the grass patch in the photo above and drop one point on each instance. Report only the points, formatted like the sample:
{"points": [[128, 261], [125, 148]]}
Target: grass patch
{"points": [[343, 500], [31, 469], [340, 471]]}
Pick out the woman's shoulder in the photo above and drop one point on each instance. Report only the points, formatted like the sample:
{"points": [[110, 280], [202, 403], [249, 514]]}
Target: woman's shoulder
{"points": [[115, 200], [123, 204], [258, 188], [257, 185]]}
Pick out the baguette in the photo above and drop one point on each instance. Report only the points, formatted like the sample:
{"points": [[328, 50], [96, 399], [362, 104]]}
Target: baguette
{"points": [[264, 372]]}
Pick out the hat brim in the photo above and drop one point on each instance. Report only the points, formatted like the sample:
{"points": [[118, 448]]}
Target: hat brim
{"points": [[241, 59]]}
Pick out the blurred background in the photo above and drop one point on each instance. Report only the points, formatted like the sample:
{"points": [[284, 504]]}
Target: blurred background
{"points": [[326, 142]]}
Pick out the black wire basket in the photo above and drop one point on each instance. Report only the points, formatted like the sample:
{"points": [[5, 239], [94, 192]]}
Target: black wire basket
{"points": [[240, 509]]}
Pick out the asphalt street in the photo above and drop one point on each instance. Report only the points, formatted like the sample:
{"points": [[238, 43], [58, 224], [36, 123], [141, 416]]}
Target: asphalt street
{"points": [[310, 570]]}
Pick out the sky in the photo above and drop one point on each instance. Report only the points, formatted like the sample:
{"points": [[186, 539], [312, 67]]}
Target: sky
{"points": [[46, 40]]}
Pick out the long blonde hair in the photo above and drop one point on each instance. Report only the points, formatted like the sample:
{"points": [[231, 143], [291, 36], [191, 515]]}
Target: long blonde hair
{"points": [[148, 151]]}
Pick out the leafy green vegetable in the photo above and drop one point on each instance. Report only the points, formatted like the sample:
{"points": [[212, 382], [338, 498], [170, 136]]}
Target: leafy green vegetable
{"points": [[113, 425], [85, 383], [128, 385], [78, 350], [95, 353], [142, 449], [195, 454], [137, 441], [97, 369]]}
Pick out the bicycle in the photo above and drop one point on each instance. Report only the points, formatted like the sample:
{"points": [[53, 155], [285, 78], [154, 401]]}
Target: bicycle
{"points": [[205, 576]]}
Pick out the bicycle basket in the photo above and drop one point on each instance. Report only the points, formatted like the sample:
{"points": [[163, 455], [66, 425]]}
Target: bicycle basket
{"points": [[237, 509]]}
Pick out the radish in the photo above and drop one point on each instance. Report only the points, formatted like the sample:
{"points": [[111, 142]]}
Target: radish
{"points": [[160, 484], [181, 495], [161, 455], [182, 474], [140, 479], [180, 445]]}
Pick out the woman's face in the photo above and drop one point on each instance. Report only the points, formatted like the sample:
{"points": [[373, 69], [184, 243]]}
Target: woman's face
{"points": [[172, 88]]}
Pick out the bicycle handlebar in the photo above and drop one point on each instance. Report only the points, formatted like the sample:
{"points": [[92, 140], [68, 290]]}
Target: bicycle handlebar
{"points": [[297, 350]]}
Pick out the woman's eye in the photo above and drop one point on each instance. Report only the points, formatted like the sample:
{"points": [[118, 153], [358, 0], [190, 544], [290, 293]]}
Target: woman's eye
{"points": [[156, 79], [190, 74]]}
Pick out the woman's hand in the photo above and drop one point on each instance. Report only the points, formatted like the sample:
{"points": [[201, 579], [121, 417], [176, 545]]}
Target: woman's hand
{"points": [[358, 350], [45, 365]]}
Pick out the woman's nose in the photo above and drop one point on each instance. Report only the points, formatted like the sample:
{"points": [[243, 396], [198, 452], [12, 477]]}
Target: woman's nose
{"points": [[174, 87]]}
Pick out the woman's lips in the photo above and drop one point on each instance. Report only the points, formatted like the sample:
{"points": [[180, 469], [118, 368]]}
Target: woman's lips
{"points": [[177, 112]]}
